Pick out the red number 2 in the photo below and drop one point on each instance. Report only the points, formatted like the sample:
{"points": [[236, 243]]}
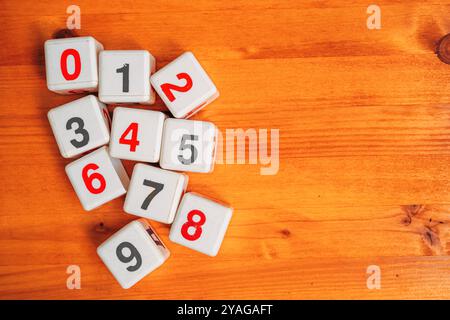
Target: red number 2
{"points": [[168, 87], [63, 62], [191, 223], [133, 141], [88, 179]]}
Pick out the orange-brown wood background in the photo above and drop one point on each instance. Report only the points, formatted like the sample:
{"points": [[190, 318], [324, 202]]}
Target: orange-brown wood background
{"points": [[364, 120]]}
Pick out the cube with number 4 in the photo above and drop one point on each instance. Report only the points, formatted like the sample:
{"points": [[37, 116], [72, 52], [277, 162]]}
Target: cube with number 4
{"points": [[71, 64], [200, 224], [97, 178], [136, 134], [125, 76], [184, 86], [188, 145], [155, 193], [133, 252], [80, 126]]}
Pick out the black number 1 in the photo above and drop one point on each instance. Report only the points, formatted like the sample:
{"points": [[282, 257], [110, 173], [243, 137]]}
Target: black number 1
{"points": [[125, 78], [157, 187]]}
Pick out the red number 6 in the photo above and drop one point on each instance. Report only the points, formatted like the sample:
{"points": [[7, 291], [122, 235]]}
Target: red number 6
{"points": [[63, 62], [88, 179], [168, 87], [191, 223]]}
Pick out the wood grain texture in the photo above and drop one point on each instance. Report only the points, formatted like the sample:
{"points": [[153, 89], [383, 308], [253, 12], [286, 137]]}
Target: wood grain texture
{"points": [[364, 120]]}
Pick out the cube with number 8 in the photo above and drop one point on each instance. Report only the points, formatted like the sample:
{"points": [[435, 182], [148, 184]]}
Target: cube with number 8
{"points": [[97, 178], [188, 145], [200, 224], [184, 86], [125, 76], [133, 252], [80, 126], [136, 134], [155, 193]]}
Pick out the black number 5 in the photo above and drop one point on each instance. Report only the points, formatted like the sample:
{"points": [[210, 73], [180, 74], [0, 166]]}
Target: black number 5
{"points": [[134, 254], [184, 146], [80, 130], [157, 187]]}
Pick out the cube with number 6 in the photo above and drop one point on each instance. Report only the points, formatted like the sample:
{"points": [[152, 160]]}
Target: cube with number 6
{"points": [[97, 178], [133, 252], [200, 223], [184, 86], [155, 193]]}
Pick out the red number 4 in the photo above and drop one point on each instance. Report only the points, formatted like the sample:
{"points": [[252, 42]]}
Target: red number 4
{"points": [[133, 141], [195, 224]]}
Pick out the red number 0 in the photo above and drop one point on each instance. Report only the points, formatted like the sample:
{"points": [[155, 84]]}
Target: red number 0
{"points": [[76, 56], [133, 141], [88, 179], [168, 87], [191, 223]]}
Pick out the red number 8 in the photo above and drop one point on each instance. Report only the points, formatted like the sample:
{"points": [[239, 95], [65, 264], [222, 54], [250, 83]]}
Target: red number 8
{"points": [[95, 176], [191, 223], [63, 62]]}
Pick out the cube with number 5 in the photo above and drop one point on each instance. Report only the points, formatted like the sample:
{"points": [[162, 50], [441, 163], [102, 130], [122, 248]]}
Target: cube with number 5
{"points": [[184, 86], [133, 252], [200, 224], [97, 178]]}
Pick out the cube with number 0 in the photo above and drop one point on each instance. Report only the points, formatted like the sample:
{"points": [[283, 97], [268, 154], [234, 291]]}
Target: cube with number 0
{"points": [[80, 126], [125, 76], [97, 178], [200, 223], [184, 86], [71, 64], [133, 252], [188, 145], [136, 134], [155, 193]]}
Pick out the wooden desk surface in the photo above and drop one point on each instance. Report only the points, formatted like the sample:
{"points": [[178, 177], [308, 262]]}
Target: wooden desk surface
{"points": [[364, 120]]}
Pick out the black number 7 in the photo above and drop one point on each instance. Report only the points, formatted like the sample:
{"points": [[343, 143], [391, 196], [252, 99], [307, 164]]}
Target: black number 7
{"points": [[157, 187]]}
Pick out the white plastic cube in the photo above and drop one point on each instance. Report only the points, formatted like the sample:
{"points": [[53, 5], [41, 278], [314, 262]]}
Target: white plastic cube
{"points": [[133, 252], [200, 224], [188, 145], [71, 64], [97, 178], [184, 86], [125, 76], [155, 193], [80, 126], [136, 134]]}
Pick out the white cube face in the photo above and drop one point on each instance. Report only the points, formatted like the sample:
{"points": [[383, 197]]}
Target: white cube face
{"points": [[71, 64], [200, 224], [188, 145], [125, 76], [155, 193], [136, 134], [184, 86], [133, 252], [80, 126], [97, 178]]}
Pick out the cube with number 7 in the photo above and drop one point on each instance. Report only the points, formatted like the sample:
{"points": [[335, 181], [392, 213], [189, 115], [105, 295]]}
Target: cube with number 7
{"points": [[184, 86], [133, 252], [97, 178], [200, 224]]}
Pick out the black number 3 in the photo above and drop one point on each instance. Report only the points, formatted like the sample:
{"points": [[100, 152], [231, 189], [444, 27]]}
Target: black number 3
{"points": [[134, 254], [80, 130]]}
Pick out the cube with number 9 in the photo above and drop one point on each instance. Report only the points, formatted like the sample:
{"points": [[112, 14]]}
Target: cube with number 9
{"points": [[133, 252], [97, 178], [200, 223]]}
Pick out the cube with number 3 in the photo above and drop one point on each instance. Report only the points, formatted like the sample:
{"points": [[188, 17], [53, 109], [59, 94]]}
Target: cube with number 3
{"points": [[184, 86], [200, 224], [80, 126], [97, 178], [155, 193], [125, 76], [133, 252], [188, 145]]}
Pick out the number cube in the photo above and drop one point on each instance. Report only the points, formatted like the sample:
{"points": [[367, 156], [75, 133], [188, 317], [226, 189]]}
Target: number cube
{"points": [[136, 134], [184, 86], [125, 76], [71, 64], [155, 193], [188, 145], [97, 178], [80, 126], [133, 252], [200, 224]]}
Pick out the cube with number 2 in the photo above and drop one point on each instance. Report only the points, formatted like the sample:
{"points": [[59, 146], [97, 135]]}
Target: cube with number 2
{"points": [[133, 252], [200, 224]]}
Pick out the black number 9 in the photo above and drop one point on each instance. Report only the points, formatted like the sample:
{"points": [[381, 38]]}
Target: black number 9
{"points": [[134, 254], [80, 130]]}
